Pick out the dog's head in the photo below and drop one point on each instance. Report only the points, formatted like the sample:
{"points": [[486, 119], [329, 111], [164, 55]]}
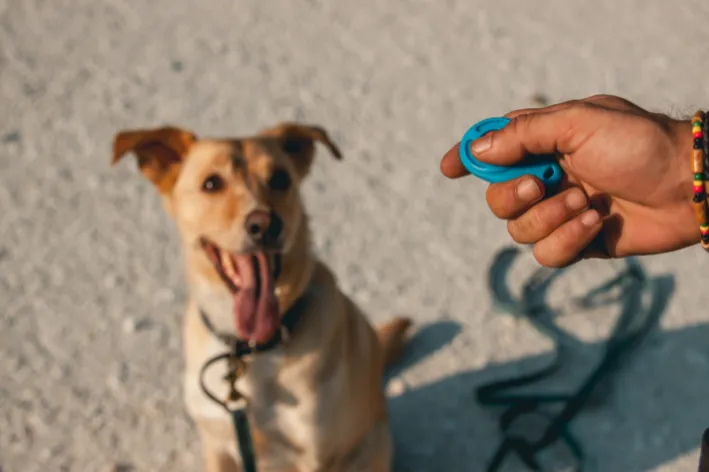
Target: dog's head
{"points": [[236, 202]]}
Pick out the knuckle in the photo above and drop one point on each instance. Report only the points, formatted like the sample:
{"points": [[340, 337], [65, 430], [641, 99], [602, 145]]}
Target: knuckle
{"points": [[613, 103], [572, 127], [580, 108], [600, 97], [520, 124], [575, 103], [522, 128], [537, 220]]}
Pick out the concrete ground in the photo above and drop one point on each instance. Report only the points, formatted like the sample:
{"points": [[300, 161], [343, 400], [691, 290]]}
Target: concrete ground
{"points": [[90, 278]]}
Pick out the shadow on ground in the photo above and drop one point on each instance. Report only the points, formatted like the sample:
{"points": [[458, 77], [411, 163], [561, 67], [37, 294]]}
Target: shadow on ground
{"points": [[655, 411]]}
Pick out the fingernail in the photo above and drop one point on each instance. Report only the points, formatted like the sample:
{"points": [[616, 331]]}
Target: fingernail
{"points": [[482, 144], [576, 200], [528, 190], [590, 218]]}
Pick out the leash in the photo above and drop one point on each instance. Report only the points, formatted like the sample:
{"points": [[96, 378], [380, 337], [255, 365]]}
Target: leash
{"points": [[236, 405], [559, 409]]}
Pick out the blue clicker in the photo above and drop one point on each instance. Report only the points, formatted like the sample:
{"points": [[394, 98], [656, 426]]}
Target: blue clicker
{"points": [[545, 168]]}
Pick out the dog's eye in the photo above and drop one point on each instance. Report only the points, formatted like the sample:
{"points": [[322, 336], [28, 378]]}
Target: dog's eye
{"points": [[293, 145], [213, 183], [280, 180]]}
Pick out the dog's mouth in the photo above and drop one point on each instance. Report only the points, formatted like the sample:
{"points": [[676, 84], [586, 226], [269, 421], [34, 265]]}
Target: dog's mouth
{"points": [[251, 280]]}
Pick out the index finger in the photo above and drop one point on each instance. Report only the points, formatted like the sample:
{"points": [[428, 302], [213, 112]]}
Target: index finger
{"points": [[546, 130], [451, 166]]}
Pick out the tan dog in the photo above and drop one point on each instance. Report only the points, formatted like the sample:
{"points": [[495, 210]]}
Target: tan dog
{"points": [[316, 400]]}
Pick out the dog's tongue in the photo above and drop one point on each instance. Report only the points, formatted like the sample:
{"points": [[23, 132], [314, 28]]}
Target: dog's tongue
{"points": [[255, 304]]}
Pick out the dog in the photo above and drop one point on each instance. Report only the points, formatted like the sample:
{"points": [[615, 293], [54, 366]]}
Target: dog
{"points": [[314, 388]]}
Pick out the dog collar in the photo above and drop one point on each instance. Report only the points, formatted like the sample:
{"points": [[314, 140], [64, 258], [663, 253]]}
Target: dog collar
{"points": [[240, 348]]}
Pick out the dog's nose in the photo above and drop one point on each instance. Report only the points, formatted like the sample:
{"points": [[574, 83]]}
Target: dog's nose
{"points": [[263, 226]]}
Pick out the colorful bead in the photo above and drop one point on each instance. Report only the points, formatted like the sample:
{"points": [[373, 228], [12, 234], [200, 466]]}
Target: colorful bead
{"points": [[700, 211], [700, 185], [697, 161]]}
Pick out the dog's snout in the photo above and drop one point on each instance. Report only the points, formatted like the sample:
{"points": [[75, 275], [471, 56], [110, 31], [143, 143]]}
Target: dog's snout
{"points": [[275, 228], [257, 223], [263, 226]]}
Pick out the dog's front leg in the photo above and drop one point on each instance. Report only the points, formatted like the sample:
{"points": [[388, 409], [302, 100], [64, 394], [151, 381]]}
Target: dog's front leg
{"points": [[218, 460], [216, 456]]}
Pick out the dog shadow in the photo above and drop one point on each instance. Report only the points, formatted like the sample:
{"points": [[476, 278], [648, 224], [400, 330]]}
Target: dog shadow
{"points": [[655, 410]]}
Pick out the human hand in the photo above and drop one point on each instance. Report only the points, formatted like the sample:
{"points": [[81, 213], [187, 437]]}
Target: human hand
{"points": [[627, 188]]}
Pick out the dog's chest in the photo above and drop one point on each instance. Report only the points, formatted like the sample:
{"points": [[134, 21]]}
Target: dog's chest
{"points": [[285, 406]]}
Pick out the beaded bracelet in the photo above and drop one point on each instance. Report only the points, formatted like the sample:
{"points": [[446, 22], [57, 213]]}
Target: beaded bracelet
{"points": [[706, 136], [698, 169]]}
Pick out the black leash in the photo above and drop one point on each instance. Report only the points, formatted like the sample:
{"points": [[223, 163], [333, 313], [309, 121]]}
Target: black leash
{"points": [[559, 409], [235, 404]]}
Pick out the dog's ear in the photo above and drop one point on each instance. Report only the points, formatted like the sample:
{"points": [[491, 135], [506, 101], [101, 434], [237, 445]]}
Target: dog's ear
{"points": [[298, 142], [160, 153]]}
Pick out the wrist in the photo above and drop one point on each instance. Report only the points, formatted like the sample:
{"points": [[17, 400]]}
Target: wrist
{"points": [[684, 157]]}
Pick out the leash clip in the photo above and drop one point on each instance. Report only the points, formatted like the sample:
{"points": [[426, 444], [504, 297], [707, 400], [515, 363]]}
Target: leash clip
{"points": [[235, 404], [235, 369]]}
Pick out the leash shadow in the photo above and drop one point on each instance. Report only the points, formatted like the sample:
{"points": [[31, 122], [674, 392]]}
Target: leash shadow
{"points": [[655, 411]]}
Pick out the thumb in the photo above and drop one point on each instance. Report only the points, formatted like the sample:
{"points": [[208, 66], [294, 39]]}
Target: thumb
{"points": [[537, 133]]}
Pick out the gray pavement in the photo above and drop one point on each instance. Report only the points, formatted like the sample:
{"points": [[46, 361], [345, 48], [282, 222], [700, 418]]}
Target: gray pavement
{"points": [[90, 278]]}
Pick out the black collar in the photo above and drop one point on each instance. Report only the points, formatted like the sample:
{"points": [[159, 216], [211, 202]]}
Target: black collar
{"points": [[289, 320]]}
